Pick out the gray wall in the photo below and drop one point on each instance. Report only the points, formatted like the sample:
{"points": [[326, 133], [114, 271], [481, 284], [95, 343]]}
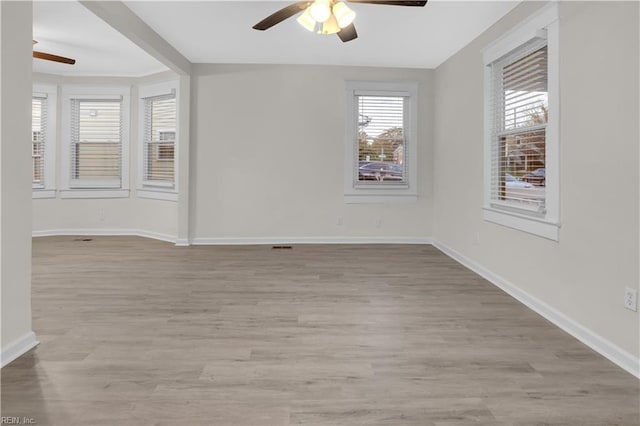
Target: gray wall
{"points": [[15, 177], [582, 276], [268, 154]]}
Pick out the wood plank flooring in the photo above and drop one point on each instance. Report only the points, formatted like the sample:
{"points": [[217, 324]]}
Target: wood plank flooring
{"points": [[139, 332]]}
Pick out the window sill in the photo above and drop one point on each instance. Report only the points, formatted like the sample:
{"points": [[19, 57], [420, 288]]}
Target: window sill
{"points": [[380, 199], [43, 193], [532, 225], [157, 194], [94, 193], [380, 186]]}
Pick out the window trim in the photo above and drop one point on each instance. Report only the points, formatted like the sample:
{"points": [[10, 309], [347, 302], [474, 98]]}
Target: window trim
{"points": [[50, 92], [355, 193], [152, 189], [547, 225], [102, 92]]}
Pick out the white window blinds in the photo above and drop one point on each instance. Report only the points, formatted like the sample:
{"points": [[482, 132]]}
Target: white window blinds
{"points": [[519, 119], [381, 139], [96, 143], [38, 132], [159, 140]]}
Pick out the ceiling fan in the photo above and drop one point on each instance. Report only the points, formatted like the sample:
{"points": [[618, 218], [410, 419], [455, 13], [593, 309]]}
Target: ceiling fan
{"points": [[50, 57], [326, 16]]}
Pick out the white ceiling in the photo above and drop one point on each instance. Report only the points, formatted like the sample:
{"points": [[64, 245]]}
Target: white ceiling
{"points": [[66, 28], [220, 32]]}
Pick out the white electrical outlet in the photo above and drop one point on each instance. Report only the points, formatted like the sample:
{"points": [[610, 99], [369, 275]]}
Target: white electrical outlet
{"points": [[631, 299]]}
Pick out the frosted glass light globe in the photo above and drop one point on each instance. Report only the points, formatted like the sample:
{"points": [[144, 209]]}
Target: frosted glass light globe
{"points": [[320, 10], [343, 14]]}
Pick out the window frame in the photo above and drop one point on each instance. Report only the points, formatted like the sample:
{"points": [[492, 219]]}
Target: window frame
{"points": [[50, 93], [542, 24], [148, 188], [356, 192], [98, 93]]}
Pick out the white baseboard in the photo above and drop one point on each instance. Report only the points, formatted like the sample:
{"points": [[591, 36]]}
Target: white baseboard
{"points": [[310, 240], [105, 232], [604, 347], [232, 240], [182, 242], [18, 347], [155, 236]]}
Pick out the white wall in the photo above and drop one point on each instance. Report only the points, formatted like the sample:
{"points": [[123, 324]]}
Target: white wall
{"points": [[153, 217], [268, 158], [105, 214], [582, 276], [15, 176]]}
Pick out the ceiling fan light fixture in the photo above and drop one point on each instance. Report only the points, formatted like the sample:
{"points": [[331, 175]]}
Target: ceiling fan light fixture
{"points": [[326, 16], [320, 10], [306, 20], [330, 26], [343, 14]]}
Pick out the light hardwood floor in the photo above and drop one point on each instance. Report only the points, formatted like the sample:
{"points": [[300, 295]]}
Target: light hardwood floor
{"points": [[138, 332]]}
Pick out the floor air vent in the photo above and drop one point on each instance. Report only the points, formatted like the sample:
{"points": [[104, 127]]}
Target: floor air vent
{"points": [[282, 247], [83, 239]]}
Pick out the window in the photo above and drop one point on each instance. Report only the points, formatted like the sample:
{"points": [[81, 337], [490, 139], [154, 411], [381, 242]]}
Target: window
{"points": [[521, 184], [38, 127], [520, 112], [159, 141], [159, 138], [43, 134], [96, 142], [381, 141]]}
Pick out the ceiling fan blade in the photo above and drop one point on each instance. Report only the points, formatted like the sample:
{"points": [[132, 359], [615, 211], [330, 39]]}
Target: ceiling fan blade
{"points": [[281, 15], [392, 3], [55, 58], [348, 33]]}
